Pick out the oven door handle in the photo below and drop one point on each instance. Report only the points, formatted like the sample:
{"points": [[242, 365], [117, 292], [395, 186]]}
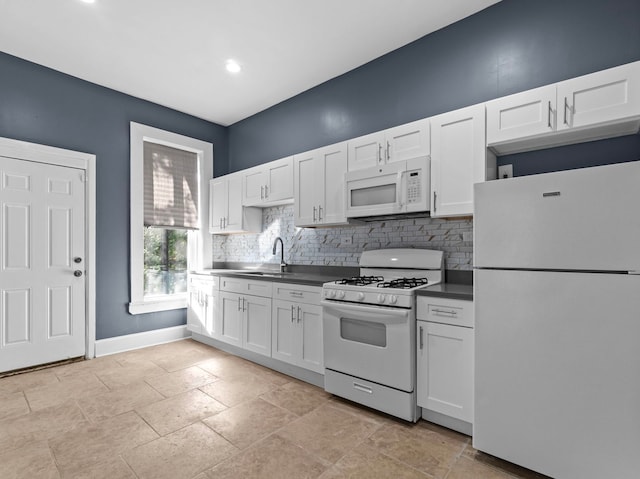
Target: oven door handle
{"points": [[368, 313]]}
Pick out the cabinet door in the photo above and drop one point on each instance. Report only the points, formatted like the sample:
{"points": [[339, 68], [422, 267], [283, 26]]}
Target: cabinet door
{"points": [[217, 203], [233, 220], [231, 315], [257, 324], [367, 151], [196, 308], [254, 181], [283, 332], [600, 97], [309, 322], [333, 162], [279, 184], [445, 369], [458, 160], [307, 186], [521, 115], [408, 141]]}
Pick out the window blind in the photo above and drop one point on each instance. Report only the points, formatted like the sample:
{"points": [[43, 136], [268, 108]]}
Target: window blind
{"points": [[170, 187]]}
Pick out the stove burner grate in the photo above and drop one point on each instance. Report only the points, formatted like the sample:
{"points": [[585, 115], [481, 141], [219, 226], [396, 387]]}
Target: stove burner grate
{"points": [[360, 280], [403, 283]]}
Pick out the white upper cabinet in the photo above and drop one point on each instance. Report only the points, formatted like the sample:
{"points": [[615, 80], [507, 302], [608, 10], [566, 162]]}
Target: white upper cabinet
{"points": [[319, 186], [459, 158], [600, 105], [226, 213], [269, 184], [402, 142]]}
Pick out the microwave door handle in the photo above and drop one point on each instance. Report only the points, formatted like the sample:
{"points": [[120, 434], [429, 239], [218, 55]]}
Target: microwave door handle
{"points": [[402, 179]]}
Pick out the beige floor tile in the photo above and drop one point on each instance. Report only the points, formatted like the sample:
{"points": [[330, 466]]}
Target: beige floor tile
{"points": [[227, 366], [297, 397], [183, 380], [249, 422], [182, 359], [26, 381], [12, 405], [33, 461], [80, 386], [40, 425], [110, 469], [363, 412], [182, 454], [466, 468], [273, 458], [328, 432], [86, 446], [425, 447], [133, 371], [367, 463], [174, 413], [118, 401], [237, 389], [270, 375], [496, 463], [79, 368]]}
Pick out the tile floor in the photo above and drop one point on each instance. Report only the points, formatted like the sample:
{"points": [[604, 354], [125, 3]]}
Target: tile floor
{"points": [[185, 410]]}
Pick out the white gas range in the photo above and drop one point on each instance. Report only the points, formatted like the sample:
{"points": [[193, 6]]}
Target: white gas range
{"points": [[369, 329]]}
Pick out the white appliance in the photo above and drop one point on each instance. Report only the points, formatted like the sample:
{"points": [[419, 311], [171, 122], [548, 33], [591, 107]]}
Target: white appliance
{"points": [[557, 308], [369, 329], [397, 187]]}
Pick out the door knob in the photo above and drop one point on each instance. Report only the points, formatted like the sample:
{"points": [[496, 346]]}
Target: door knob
{"points": [[77, 259], [77, 273]]}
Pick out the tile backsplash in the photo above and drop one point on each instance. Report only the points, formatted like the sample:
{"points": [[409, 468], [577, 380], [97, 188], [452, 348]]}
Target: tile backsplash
{"points": [[329, 246]]}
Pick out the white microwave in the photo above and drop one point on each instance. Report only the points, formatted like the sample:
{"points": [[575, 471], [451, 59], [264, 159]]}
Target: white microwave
{"points": [[397, 187]]}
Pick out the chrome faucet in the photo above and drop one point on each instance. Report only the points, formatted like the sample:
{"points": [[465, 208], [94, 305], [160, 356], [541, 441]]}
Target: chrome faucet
{"points": [[283, 265]]}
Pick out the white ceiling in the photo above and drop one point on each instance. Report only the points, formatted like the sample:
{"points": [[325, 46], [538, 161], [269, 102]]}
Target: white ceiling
{"points": [[173, 52]]}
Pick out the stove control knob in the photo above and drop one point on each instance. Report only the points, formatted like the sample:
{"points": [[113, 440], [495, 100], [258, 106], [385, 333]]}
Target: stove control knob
{"points": [[381, 298], [361, 296], [340, 294], [331, 294], [393, 299]]}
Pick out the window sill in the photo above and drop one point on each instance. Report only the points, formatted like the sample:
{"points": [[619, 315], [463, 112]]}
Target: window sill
{"points": [[158, 304]]}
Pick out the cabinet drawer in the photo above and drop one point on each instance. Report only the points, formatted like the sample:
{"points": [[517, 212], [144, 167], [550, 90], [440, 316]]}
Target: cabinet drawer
{"points": [[297, 293], [246, 286], [446, 311], [204, 281]]}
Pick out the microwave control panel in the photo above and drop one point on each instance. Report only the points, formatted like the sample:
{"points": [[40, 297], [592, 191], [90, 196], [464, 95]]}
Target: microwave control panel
{"points": [[414, 186]]}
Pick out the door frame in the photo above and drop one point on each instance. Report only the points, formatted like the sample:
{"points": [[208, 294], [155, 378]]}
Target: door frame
{"points": [[22, 150]]}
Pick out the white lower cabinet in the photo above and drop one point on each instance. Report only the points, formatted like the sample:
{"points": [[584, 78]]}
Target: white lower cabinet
{"points": [[296, 335], [445, 350], [245, 320], [202, 304]]}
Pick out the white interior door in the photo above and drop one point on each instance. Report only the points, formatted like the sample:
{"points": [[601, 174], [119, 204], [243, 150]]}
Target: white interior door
{"points": [[42, 247]]}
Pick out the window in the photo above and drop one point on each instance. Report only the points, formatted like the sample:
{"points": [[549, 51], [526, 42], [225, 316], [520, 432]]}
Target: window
{"points": [[169, 181]]}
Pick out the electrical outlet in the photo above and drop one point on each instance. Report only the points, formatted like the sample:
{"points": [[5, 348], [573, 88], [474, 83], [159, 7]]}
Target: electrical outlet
{"points": [[505, 171], [346, 240]]}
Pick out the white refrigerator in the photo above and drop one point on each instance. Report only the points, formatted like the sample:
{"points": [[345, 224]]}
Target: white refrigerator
{"points": [[557, 310]]}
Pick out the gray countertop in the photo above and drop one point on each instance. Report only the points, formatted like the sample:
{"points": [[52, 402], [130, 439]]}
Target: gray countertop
{"points": [[448, 290], [306, 278]]}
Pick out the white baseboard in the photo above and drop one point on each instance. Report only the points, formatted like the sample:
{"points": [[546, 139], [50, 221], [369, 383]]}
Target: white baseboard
{"points": [[128, 342]]}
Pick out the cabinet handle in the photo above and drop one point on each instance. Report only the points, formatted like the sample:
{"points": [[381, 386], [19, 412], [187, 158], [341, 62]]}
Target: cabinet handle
{"points": [[445, 311], [298, 313], [243, 305], [435, 196], [388, 152], [314, 214], [239, 299], [266, 191], [549, 116], [298, 294], [566, 104], [421, 339], [319, 213], [224, 223], [292, 312], [220, 223], [362, 388], [262, 192]]}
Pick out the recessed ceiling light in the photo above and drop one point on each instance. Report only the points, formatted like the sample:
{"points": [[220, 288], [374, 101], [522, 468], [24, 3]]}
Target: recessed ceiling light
{"points": [[233, 66]]}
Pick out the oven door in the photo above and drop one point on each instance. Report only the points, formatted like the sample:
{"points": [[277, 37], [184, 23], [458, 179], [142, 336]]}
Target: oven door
{"points": [[370, 342], [375, 191]]}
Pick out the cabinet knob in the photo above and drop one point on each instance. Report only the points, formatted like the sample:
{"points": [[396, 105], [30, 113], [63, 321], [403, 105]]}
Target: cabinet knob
{"points": [[77, 273], [77, 259]]}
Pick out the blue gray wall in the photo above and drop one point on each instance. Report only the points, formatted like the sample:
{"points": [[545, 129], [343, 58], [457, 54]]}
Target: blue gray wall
{"points": [[44, 106], [512, 46]]}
